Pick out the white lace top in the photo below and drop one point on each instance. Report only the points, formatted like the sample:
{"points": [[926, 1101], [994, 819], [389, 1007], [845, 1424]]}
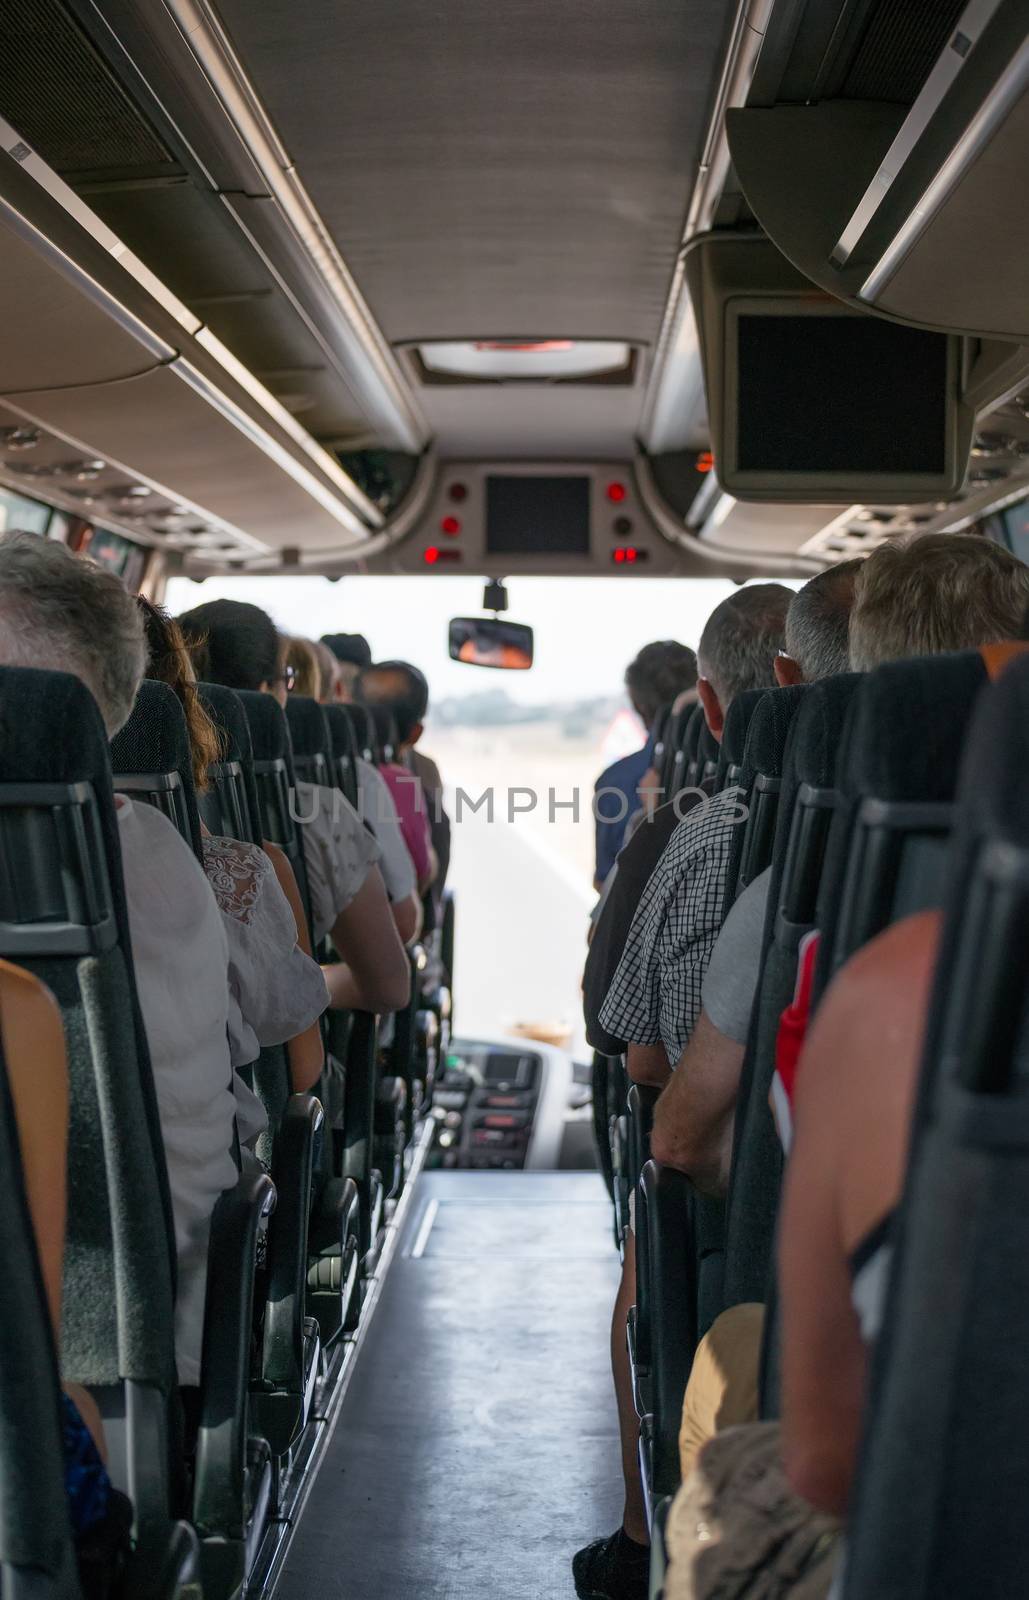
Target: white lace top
{"points": [[275, 989], [338, 852]]}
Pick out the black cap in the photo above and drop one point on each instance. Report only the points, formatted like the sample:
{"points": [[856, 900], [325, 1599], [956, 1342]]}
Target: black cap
{"points": [[352, 647]]}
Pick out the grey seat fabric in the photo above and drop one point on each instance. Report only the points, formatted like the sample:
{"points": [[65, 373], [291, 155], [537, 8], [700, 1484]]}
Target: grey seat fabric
{"points": [[63, 916], [151, 759], [345, 751], [760, 782], [229, 806], [943, 1481], [36, 1547], [805, 801]]}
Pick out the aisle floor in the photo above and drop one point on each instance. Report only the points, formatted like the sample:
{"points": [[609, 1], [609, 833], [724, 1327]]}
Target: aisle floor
{"points": [[477, 1445]]}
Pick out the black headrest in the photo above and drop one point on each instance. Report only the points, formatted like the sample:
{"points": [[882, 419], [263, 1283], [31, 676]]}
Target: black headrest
{"points": [[342, 734], [269, 731], [694, 729], [768, 731], [51, 731], [907, 727], [992, 788], [155, 740], [818, 731], [308, 729], [734, 734], [360, 719], [225, 709]]}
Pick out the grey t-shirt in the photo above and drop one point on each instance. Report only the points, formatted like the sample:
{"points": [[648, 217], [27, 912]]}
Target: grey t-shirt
{"points": [[728, 994]]}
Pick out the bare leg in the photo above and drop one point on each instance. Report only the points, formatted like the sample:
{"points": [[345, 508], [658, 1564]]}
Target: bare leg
{"points": [[635, 1519]]}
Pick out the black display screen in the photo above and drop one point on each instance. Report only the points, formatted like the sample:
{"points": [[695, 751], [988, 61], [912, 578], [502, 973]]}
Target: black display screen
{"points": [[537, 516], [829, 394]]}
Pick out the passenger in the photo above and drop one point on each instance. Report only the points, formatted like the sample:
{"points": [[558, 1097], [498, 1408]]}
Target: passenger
{"points": [[237, 644], [408, 797], [353, 654], [302, 656], [655, 677], [61, 612], [37, 1076], [693, 1120], [277, 987], [672, 911], [403, 692]]}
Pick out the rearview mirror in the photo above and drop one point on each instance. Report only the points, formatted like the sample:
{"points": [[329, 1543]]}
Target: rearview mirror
{"points": [[489, 642]]}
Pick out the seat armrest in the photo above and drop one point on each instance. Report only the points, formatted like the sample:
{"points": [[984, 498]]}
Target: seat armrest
{"points": [[219, 1488]]}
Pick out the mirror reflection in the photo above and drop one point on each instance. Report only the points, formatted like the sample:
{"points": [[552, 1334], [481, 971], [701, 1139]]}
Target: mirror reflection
{"points": [[491, 642]]}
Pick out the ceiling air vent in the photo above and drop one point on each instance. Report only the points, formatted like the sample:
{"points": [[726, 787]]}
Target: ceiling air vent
{"points": [[58, 93]]}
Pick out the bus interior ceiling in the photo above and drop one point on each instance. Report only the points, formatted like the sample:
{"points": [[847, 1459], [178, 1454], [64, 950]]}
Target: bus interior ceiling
{"points": [[679, 289]]}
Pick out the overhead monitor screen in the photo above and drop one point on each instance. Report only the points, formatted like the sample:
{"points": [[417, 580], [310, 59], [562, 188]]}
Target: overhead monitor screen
{"points": [[839, 394], [530, 516]]}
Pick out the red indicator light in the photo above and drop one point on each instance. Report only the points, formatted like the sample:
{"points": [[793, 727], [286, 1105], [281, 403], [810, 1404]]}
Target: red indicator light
{"points": [[618, 555], [451, 526], [628, 553], [616, 493], [431, 556], [457, 492], [705, 461]]}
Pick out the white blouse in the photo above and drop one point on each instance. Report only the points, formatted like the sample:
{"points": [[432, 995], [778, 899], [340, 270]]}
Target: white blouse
{"points": [[338, 852], [181, 956]]}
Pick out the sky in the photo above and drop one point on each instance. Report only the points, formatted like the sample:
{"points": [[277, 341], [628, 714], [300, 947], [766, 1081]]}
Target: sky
{"points": [[587, 629]]}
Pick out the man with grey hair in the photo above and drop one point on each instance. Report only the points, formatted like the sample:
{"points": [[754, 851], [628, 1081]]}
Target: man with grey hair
{"points": [[818, 626], [66, 614], [63, 613]]}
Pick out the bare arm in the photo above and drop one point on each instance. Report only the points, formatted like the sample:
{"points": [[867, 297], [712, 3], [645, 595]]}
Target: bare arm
{"points": [[374, 974], [648, 1063], [693, 1121], [305, 1053]]}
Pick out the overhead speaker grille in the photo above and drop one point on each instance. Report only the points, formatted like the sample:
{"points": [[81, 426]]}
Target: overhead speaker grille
{"points": [[58, 93], [899, 48]]}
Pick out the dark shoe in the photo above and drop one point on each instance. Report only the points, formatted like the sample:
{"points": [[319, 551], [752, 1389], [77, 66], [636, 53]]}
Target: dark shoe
{"points": [[612, 1569]]}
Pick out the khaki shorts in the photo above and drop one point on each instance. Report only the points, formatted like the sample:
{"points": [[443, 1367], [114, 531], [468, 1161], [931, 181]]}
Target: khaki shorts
{"points": [[723, 1385]]}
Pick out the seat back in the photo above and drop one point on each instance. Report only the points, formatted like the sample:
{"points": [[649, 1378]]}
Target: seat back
{"points": [[63, 917], [36, 1549], [229, 806], [707, 757], [684, 772], [151, 759], [345, 752], [760, 780], [310, 741], [944, 1468], [362, 723], [674, 756], [806, 802], [902, 752], [729, 754], [274, 781]]}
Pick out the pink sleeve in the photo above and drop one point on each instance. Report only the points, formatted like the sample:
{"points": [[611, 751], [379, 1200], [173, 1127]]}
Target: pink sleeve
{"points": [[409, 796]]}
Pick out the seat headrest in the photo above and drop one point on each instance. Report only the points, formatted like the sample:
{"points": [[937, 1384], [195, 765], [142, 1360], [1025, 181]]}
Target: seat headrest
{"points": [[308, 729], [156, 740], [737, 721], [907, 727], [818, 730], [362, 722], [225, 710], [342, 734], [269, 732], [992, 790], [769, 728]]}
